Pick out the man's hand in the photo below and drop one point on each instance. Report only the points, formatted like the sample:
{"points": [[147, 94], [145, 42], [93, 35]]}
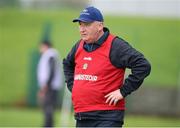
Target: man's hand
{"points": [[114, 97], [41, 94]]}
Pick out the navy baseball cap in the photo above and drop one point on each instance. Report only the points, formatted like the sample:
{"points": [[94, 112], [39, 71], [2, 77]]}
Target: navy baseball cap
{"points": [[90, 14]]}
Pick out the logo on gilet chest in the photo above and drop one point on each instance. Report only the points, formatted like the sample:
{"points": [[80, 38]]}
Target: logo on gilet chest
{"points": [[85, 66]]}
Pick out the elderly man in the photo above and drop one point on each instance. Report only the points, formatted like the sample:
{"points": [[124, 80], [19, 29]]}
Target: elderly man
{"points": [[94, 70]]}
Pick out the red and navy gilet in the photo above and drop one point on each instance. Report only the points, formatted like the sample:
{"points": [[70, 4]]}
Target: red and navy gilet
{"points": [[95, 77]]}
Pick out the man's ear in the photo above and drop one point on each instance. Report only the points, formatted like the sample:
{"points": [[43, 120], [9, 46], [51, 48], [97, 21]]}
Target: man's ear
{"points": [[101, 25]]}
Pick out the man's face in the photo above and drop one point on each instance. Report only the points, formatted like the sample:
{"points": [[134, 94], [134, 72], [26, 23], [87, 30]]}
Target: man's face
{"points": [[43, 48], [90, 31]]}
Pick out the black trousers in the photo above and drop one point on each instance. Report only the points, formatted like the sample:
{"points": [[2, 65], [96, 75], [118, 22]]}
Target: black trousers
{"points": [[49, 106], [98, 123]]}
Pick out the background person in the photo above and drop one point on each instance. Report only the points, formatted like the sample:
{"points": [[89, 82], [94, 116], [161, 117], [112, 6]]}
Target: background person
{"points": [[50, 81], [94, 70]]}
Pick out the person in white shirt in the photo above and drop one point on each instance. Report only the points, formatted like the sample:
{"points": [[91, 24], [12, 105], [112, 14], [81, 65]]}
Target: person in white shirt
{"points": [[49, 74]]}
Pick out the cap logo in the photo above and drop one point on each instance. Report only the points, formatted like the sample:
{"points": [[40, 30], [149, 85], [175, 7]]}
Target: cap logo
{"points": [[85, 12]]}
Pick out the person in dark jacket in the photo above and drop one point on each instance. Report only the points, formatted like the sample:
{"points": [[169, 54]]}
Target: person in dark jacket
{"points": [[94, 71], [50, 79]]}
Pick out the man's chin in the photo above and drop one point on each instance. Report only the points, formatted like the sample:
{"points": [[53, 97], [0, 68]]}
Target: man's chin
{"points": [[84, 39]]}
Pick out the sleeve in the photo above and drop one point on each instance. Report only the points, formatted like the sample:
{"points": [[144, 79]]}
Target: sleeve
{"points": [[122, 55], [51, 70], [69, 66]]}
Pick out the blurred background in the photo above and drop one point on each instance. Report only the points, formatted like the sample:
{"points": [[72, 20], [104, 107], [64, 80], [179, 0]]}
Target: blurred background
{"points": [[151, 26]]}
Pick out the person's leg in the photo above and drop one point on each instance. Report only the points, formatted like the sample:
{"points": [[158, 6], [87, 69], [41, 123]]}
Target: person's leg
{"points": [[49, 107], [48, 116]]}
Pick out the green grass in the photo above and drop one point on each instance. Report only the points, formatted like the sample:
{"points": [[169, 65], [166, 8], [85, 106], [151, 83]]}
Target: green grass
{"points": [[21, 117], [21, 32]]}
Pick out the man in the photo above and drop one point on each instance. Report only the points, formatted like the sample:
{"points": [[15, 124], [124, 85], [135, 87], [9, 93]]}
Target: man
{"points": [[50, 80], [94, 71]]}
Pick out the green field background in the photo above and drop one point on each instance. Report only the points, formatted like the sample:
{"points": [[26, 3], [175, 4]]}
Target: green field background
{"points": [[21, 32]]}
